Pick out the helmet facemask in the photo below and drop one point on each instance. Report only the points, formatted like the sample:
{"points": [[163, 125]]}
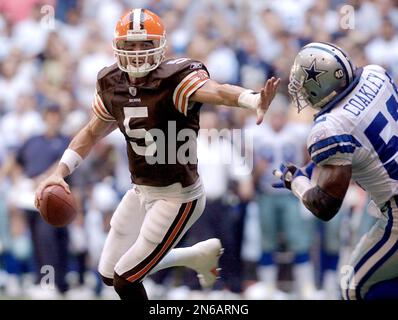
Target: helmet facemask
{"points": [[297, 93], [301, 98], [138, 63]]}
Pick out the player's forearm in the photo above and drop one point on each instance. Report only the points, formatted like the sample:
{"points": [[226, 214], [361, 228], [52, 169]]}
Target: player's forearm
{"points": [[87, 137], [234, 96], [78, 149], [228, 95], [321, 204], [82, 144], [218, 94], [62, 170]]}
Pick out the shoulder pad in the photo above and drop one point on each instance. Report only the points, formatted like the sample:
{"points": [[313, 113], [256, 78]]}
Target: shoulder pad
{"points": [[375, 67], [105, 75], [171, 67], [108, 71]]}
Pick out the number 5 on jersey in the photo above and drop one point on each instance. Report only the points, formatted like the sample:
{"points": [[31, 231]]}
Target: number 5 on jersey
{"points": [[385, 150], [139, 134]]}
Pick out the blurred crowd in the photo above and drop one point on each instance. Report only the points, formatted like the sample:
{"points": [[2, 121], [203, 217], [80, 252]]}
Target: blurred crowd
{"points": [[50, 54]]}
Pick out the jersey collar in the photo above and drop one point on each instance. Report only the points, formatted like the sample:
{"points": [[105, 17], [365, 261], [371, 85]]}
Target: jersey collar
{"points": [[149, 83], [329, 106]]}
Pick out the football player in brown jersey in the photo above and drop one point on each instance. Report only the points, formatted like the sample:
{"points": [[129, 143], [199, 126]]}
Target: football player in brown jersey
{"points": [[144, 95]]}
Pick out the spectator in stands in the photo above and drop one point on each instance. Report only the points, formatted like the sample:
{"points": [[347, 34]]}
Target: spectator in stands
{"points": [[37, 155]]}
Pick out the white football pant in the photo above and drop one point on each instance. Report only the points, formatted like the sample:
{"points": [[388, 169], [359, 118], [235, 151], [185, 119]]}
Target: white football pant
{"points": [[144, 228]]}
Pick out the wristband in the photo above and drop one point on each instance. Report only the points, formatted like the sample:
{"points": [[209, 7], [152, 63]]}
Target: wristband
{"points": [[71, 159], [300, 185], [249, 99]]}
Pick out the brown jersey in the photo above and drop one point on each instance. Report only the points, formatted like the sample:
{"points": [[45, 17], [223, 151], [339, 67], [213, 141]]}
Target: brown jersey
{"points": [[151, 116]]}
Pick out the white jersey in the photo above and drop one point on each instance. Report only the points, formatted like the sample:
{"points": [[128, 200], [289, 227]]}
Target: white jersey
{"points": [[285, 146], [362, 131]]}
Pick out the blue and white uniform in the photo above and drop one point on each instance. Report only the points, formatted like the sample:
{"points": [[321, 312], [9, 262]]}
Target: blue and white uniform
{"points": [[360, 128], [285, 146], [279, 208]]}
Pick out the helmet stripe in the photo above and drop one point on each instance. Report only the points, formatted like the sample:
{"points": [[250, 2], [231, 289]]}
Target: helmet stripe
{"points": [[341, 61], [142, 18], [131, 19], [350, 67], [339, 55], [136, 19]]}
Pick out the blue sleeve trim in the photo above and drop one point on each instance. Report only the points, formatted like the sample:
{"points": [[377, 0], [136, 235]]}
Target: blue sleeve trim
{"points": [[330, 152], [333, 140]]}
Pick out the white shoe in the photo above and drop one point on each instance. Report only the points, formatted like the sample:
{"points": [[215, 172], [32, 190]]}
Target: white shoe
{"points": [[206, 261]]}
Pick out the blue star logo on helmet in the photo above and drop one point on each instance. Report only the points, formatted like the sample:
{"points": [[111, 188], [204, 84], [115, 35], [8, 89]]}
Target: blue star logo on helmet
{"points": [[312, 73]]}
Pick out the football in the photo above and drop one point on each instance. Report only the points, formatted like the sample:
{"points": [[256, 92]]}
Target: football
{"points": [[57, 207]]}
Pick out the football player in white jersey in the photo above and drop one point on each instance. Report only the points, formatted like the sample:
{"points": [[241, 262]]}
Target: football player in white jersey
{"points": [[354, 136], [280, 140]]}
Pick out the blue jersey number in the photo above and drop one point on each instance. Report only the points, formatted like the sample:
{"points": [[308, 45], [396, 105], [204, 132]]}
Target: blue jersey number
{"points": [[385, 151]]}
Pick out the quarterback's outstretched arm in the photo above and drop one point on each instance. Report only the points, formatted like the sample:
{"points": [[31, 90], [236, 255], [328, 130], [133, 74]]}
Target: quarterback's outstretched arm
{"points": [[78, 149], [229, 95]]}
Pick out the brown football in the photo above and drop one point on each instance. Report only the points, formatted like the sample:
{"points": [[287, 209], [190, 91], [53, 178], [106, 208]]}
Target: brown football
{"points": [[57, 207]]}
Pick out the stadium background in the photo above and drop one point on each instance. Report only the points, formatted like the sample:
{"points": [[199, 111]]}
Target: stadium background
{"points": [[50, 54]]}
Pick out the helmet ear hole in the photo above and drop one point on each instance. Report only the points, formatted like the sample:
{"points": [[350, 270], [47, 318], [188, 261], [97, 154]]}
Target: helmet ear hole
{"points": [[314, 94]]}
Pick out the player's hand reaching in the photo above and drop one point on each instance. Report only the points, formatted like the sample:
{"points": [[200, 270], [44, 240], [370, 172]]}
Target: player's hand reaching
{"points": [[54, 179], [267, 94], [286, 173]]}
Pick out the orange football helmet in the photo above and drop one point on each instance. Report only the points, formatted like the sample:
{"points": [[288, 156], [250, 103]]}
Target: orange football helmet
{"points": [[139, 25]]}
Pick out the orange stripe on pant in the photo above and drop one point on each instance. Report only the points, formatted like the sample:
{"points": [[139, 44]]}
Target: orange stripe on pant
{"points": [[165, 247]]}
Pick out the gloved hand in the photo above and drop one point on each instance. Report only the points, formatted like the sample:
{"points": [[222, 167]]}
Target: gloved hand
{"points": [[287, 173], [308, 169]]}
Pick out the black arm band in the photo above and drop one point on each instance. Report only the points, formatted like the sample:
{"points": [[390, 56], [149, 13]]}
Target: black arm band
{"points": [[321, 204]]}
